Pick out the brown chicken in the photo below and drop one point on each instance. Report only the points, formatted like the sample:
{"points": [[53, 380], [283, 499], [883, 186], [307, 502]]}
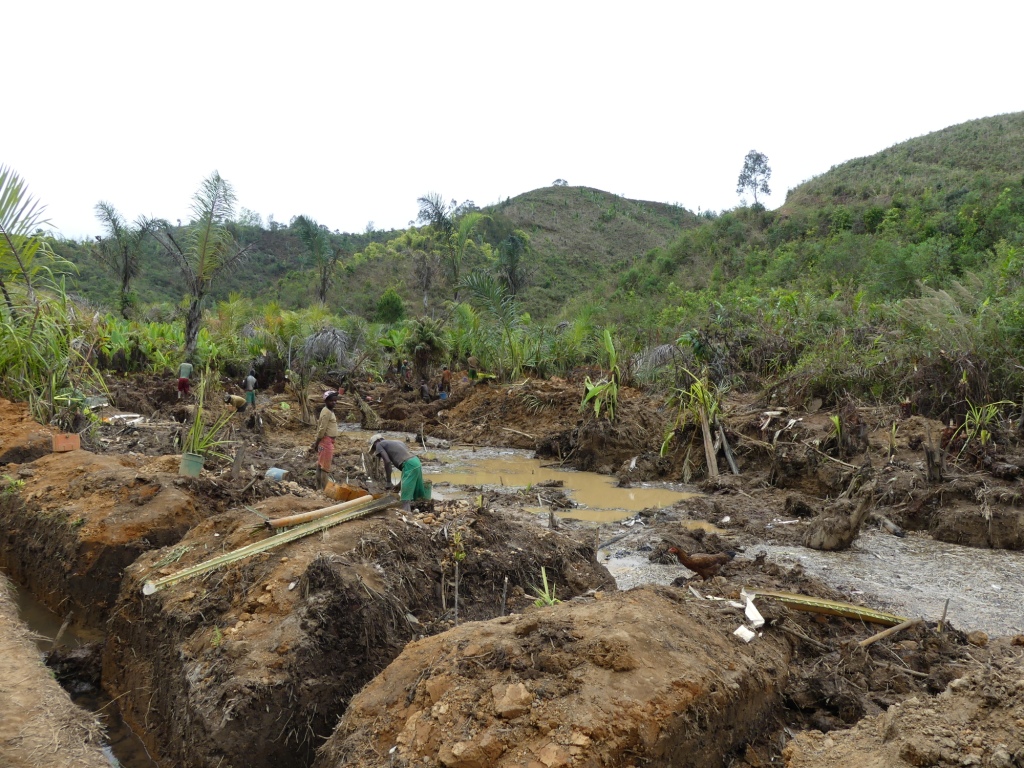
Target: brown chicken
{"points": [[704, 566]]}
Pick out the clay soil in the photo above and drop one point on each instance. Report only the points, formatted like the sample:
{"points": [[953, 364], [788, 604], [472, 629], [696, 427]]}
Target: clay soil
{"points": [[254, 664]]}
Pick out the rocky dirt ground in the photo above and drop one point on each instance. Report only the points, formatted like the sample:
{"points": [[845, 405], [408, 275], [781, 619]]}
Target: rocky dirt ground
{"points": [[254, 664]]}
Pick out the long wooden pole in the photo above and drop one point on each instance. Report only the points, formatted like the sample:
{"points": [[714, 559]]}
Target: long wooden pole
{"points": [[316, 514], [890, 631]]}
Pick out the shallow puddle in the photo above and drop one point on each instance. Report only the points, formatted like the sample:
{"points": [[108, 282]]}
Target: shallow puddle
{"points": [[914, 576], [598, 497]]}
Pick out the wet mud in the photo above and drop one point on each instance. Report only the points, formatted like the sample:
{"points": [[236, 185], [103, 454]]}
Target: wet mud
{"points": [[254, 663]]}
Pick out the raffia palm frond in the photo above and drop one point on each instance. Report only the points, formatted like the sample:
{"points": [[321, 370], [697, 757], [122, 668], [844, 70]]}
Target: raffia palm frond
{"points": [[656, 357], [326, 345]]}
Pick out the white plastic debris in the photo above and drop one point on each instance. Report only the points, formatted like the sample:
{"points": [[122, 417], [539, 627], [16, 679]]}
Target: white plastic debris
{"points": [[724, 520], [292, 586], [744, 634], [753, 615]]}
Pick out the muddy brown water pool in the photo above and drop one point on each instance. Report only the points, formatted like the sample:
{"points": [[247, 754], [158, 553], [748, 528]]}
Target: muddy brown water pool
{"points": [[597, 496], [123, 747]]}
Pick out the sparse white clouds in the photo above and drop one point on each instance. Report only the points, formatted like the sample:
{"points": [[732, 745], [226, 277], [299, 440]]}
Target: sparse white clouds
{"points": [[348, 114]]}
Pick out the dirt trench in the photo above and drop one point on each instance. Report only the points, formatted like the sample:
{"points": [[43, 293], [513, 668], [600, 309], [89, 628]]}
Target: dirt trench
{"points": [[267, 653], [79, 519], [39, 725]]}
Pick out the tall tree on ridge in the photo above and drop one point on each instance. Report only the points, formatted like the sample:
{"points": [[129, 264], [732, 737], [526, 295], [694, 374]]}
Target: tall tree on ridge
{"points": [[317, 240], [755, 175], [208, 251], [119, 251]]}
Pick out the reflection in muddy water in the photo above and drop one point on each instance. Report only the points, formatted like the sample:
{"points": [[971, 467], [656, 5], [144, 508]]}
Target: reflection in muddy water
{"points": [[123, 747], [599, 498], [913, 577]]}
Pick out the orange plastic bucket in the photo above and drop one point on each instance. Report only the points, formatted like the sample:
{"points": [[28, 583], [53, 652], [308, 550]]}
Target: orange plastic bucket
{"points": [[343, 491]]}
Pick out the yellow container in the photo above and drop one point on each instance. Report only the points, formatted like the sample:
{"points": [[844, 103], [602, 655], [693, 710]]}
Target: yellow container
{"points": [[343, 491]]}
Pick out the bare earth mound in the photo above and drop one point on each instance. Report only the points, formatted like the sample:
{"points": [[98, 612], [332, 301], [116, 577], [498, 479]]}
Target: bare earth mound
{"points": [[978, 720], [639, 677]]}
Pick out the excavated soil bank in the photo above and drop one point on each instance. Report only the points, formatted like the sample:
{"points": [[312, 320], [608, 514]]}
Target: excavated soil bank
{"points": [[39, 726], [617, 679], [22, 438], [977, 721], [269, 651], [80, 519]]}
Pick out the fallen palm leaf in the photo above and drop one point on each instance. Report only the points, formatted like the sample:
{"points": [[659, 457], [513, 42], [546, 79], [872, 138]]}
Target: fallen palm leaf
{"points": [[829, 607]]}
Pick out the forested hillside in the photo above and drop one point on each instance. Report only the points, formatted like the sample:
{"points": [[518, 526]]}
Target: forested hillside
{"points": [[896, 275]]}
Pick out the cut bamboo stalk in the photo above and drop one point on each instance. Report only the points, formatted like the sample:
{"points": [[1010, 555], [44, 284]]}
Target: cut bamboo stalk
{"points": [[274, 541], [829, 607], [890, 631], [728, 450], [316, 514], [709, 450]]}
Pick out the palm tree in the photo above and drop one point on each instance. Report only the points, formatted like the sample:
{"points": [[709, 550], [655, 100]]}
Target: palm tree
{"points": [[209, 250], [463, 237], [21, 218], [454, 233], [513, 270], [119, 251], [317, 241], [426, 343], [495, 302]]}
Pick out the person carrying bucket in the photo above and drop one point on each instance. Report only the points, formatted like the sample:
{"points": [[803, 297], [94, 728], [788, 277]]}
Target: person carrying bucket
{"points": [[395, 453], [323, 444]]}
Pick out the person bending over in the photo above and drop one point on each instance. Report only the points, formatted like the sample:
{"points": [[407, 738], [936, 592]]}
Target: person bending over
{"points": [[395, 453]]}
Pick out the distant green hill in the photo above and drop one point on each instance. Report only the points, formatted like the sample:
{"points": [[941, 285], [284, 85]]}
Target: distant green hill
{"points": [[575, 233], [927, 211], [980, 155]]}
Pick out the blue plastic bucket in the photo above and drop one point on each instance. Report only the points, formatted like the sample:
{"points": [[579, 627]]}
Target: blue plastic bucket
{"points": [[443, 395], [191, 465], [277, 474]]}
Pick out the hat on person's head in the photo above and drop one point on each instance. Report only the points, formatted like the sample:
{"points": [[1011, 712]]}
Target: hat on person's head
{"points": [[374, 439], [331, 393]]}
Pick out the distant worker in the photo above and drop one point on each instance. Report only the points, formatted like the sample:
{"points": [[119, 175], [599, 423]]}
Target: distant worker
{"points": [[425, 391], [249, 385], [473, 365], [184, 374], [240, 403], [326, 431], [446, 380], [395, 453]]}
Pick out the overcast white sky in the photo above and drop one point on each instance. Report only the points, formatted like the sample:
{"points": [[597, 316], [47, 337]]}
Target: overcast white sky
{"points": [[348, 112]]}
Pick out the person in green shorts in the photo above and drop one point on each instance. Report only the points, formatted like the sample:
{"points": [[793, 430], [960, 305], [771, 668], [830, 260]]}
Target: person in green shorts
{"points": [[394, 453], [249, 385]]}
